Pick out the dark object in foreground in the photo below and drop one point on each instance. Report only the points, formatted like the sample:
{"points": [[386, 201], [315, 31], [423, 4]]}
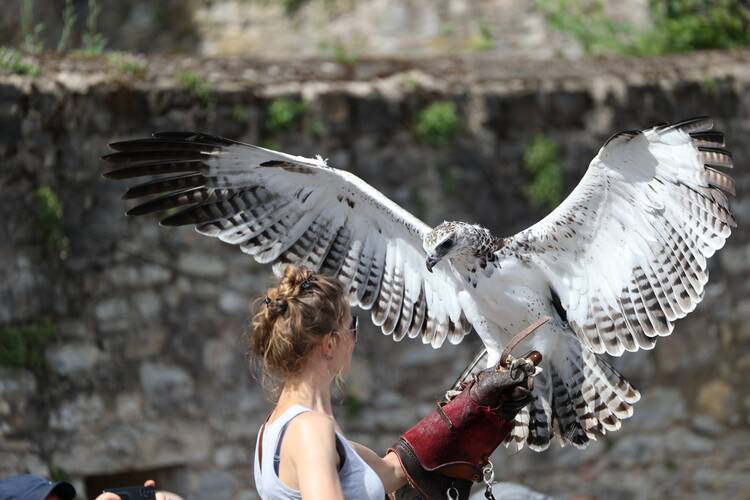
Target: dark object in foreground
{"points": [[134, 492], [32, 487], [448, 449]]}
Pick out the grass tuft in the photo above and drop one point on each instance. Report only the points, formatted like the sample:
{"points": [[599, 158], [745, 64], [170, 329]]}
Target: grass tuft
{"points": [[128, 64], [438, 124], [283, 113], [93, 41], [196, 85], [13, 62], [541, 162], [49, 213], [23, 346]]}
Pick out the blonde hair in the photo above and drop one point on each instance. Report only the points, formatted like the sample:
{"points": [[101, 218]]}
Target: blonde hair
{"points": [[293, 318]]}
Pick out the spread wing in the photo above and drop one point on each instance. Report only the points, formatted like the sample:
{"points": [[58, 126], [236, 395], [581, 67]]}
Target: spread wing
{"points": [[284, 209], [626, 252]]}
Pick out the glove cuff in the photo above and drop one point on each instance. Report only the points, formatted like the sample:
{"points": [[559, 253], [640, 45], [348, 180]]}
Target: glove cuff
{"points": [[427, 484], [458, 437]]}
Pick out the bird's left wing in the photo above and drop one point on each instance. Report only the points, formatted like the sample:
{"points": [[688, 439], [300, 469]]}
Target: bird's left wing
{"points": [[285, 209], [625, 254]]}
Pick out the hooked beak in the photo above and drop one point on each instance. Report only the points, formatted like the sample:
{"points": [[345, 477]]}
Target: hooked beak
{"points": [[431, 261]]}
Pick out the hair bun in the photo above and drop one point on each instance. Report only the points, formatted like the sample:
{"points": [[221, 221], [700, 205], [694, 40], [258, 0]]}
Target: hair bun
{"points": [[277, 306]]}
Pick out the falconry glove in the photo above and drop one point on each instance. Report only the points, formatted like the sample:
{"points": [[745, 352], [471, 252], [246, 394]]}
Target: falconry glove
{"points": [[446, 451]]}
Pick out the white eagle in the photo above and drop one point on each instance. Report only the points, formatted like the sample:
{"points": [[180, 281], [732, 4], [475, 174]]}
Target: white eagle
{"points": [[614, 265]]}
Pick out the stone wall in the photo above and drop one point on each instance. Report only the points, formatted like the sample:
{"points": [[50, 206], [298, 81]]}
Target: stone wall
{"points": [[144, 368], [334, 28]]}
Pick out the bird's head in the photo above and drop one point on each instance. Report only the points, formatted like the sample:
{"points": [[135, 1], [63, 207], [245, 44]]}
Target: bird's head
{"points": [[446, 240]]}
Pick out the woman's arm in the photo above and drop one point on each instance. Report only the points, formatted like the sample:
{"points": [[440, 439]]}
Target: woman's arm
{"points": [[310, 446], [387, 468]]}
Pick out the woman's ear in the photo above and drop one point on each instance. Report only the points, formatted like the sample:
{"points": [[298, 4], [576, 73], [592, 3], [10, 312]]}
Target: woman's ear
{"points": [[328, 345]]}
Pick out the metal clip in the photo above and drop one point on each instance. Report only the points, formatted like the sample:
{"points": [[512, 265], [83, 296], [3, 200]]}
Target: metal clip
{"points": [[488, 471], [451, 493]]}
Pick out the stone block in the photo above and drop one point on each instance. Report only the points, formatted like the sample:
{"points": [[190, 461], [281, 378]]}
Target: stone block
{"points": [[74, 358], [216, 484], [200, 264], [78, 414], [232, 456], [166, 385], [717, 399], [659, 408]]}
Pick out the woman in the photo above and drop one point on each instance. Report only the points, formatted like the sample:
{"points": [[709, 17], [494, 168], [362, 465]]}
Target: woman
{"points": [[303, 335]]}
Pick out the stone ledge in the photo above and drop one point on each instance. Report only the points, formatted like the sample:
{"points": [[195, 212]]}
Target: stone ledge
{"points": [[455, 74]]}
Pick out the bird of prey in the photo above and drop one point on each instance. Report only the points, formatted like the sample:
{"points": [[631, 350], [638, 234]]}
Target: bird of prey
{"points": [[614, 265]]}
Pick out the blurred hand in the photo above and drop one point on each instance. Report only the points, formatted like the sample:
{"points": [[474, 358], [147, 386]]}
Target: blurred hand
{"points": [[148, 484], [108, 496]]}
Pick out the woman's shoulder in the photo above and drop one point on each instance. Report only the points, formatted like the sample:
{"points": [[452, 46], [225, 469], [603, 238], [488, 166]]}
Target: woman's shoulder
{"points": [[312, 423], [310, 437]]}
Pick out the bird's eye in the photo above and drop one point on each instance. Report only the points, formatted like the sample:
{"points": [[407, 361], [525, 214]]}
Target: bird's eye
{"points": [[447, 244]]}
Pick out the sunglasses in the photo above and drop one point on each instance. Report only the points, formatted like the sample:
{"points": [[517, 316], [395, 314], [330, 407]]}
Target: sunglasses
{"points": [[354, 327]]}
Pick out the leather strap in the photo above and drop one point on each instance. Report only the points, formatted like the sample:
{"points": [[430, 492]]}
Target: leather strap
{"points": [[517, 338], [445, 417]]}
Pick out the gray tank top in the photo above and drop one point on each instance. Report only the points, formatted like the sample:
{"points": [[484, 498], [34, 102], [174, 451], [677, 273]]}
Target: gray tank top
{"points": [[358, 480]]}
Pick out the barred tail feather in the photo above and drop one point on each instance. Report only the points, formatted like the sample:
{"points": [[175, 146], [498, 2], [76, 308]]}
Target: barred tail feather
{"points": [[578, 396]]}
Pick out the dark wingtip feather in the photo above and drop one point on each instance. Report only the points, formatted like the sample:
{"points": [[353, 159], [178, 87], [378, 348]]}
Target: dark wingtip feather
{"points": [[693, 125], [159, 186], [201, 137], [711, 138], [172, 200], [159, 144], [153, 156], [155, 168]]}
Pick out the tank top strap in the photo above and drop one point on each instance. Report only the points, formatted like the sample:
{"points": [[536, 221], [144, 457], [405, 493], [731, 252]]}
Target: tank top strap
{"points": [[276, 430]]}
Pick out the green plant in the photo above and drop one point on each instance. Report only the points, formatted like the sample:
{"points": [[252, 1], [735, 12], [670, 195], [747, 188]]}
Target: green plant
{"points": [[438, 123], [340, 51], [23, 346], [69, 21], [450, 178], [353, 405], [31, 33], [419, 201], [283, 113], [93, 41], [240, 113], [57, 474], [317, 128], [684, 25], [711, 86], [49, 213], [678, 26], [292, 6], [483, 41], [12, 61], [541, 162], [127, 64], [447, 29], [196, 85], [588, 23]]}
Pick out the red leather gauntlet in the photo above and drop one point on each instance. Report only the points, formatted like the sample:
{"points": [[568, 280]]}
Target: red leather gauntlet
{"points": [[449, 447], [458, 438]]}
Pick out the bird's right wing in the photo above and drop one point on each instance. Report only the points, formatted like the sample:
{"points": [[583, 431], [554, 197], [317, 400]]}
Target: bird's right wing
{"points": [[284, 209], [626, 253]]}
